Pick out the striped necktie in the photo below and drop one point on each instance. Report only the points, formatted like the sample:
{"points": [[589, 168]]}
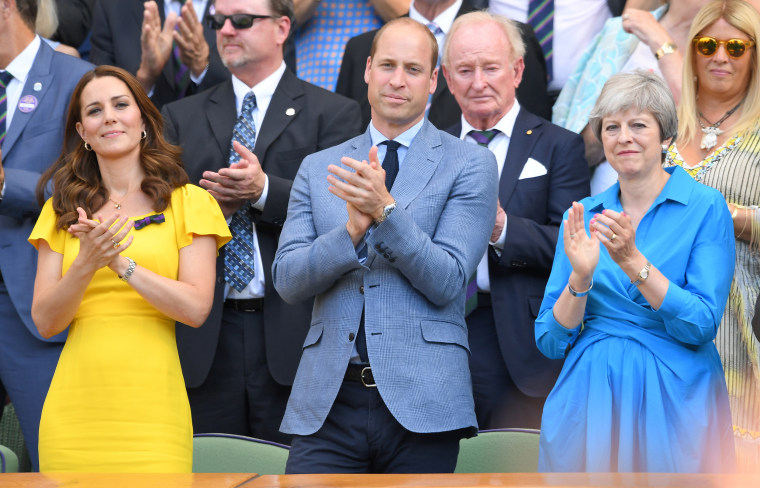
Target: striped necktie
{"points": [[541, 17], [483, 138], [5, 78], [437, 31], [239, 252]]}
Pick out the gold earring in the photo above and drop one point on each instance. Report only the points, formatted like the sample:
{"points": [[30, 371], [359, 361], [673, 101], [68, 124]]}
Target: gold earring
{"points": [[87, 146], [144, 135]]}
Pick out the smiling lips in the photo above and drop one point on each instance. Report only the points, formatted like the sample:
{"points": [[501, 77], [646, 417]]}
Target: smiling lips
{"points": [[112, 133]]}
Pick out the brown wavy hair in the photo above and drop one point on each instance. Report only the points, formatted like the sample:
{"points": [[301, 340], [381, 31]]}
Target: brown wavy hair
{"points": [[75, 176]]}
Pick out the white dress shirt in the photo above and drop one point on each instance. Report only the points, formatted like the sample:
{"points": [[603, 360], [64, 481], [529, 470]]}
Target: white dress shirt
{"points": [[263, 91], [499, 146], [443, 20]]}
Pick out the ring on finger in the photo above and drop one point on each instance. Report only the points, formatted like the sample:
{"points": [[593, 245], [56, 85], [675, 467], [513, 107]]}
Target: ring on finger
{"points": [[613, 236], [626, 16], [572, 236], [115, 244]]}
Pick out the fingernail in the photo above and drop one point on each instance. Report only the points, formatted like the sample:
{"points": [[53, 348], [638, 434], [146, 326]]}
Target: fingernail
{"points": [[593, 222], [604, 212], [623, 213]]}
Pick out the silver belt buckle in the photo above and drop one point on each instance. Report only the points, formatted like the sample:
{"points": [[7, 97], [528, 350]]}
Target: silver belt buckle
{"points": [[364, 370]]}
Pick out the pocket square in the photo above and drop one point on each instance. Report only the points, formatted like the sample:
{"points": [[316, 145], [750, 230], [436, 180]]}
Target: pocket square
{"points": [[532, 169]]}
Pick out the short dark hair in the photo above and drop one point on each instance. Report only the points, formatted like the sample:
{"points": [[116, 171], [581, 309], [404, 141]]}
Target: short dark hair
{"points": [[27, 10], [413, 23]]}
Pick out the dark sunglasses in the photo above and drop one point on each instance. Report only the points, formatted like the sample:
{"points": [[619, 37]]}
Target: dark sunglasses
{"points": [[238, 21], [707, 46]]}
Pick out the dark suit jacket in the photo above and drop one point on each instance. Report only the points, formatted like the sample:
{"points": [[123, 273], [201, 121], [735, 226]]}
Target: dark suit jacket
{"points": [[534, 208], [616, 6], [32, 143], [116, 29], [202, 125], [444, 111]]}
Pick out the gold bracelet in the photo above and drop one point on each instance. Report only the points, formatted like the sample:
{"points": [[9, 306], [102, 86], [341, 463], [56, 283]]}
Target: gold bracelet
{"points": [[738, 234]]}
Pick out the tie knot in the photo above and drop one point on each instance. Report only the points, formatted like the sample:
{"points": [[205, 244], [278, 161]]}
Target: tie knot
{"points": [[392, 145], [5, 78], [249, 103], [483, 137], [434, 28]]}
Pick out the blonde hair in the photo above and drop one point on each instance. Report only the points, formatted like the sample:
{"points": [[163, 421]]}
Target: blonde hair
{"points": [[47, 18], [743, 16], [509, 27]]}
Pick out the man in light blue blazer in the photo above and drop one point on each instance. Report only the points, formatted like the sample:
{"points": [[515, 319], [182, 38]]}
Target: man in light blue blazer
{"points": [[383, 385], [36, 99]]}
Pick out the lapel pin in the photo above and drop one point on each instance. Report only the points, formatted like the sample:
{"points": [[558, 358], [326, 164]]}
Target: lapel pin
{"points": [[529, 132], [290, 112], [27, 103], [37, 86]]}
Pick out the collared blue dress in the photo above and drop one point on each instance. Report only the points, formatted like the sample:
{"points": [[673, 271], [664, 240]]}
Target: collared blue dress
{"points": [[643, 390]]}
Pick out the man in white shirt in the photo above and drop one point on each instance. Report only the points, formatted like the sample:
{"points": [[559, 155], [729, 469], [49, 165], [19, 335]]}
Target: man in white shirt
{"points": [[542, 170], [35, 90]]}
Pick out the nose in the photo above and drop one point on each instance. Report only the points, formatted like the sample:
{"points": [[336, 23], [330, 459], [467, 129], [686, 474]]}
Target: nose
{"points": [[227, 29], [478, 79], [721, 55], [624, 136], [398, 79]]}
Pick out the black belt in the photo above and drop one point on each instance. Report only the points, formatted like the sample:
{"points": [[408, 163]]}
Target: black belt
{"points": [[249, 305], [361, 373]]}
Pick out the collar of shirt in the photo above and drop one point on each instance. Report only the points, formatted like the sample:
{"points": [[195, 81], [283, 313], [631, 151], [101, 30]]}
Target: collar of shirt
{"points": [[405, 139], [264, 91], [443, 20], [674, 190], [500, 143], [175, 6]]}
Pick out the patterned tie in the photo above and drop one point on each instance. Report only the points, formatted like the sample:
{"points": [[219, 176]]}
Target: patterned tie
{"points": [[181, 72], [541, 17], [390, 163], [239, 252], [483, 138], [5, 78]]}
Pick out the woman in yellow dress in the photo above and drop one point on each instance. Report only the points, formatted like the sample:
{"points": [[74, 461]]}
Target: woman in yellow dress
{"points": [[126, 248]]}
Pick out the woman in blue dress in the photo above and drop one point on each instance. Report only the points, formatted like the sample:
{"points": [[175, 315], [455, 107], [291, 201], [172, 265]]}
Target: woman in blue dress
{"points": [[639, 283]]}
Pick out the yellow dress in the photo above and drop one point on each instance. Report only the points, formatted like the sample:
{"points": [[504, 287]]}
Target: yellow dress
{"points": [[117, 402]]}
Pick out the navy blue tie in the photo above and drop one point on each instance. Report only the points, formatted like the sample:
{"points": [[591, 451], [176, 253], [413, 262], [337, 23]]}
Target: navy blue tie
{"points": [[239, 252]]}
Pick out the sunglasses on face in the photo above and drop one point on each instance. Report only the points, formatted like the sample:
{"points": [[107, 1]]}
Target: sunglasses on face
{"points": [[707, 46], [238, 21]]}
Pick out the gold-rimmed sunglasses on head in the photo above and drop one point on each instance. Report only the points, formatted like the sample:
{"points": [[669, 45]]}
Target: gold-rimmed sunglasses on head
{"points": [[708, 46]]}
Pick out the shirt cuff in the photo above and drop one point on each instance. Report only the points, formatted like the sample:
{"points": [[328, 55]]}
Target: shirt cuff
{"points": [[262, 201], [498, 245], [198, 79]]}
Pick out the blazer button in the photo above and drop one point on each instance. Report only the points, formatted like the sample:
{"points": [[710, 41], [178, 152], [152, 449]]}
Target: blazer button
{"points": [[351, 337], [361, 289]]}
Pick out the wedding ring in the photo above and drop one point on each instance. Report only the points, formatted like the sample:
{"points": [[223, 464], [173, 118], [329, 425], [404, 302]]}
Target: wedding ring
{"points": [[626, 16], [572, 236], [613, 236], [115, 244]]}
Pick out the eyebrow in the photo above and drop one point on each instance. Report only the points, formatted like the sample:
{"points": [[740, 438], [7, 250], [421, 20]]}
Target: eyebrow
{"points": [[112, 99]]}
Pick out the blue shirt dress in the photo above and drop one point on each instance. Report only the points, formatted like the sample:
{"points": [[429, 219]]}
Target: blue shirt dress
{"points": [[642, 390]]}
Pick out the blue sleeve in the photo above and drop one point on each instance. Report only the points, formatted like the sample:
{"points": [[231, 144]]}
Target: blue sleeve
{"points": [[552, 339], [693, 312]]}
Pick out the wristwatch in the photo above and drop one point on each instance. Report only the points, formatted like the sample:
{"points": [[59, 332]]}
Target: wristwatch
{"points": [[667, 48], [643, 274], [386, 212]]}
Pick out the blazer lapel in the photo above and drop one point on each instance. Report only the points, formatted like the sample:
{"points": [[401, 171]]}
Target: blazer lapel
{"points": [[524, 137], [419, 165], [282, 110], [221, 115], [37, 84]]}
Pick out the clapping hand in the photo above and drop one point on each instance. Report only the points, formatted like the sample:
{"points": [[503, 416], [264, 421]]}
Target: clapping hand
{"points": [[581, 249], [101, 243]]}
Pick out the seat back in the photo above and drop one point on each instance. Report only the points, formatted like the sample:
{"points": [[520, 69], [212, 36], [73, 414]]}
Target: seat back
{"points": [[226, 453], [12, 438], [8, 460], [499, 451]]}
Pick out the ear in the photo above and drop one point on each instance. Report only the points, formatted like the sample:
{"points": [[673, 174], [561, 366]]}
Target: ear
{"points": [[283, 30], [433, 80], [447, 77], [80, 130], [366, 69], [519, 68]]}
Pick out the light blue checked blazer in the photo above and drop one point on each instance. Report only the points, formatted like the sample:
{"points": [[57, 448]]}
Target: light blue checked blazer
{"points": [[412, 283]]}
